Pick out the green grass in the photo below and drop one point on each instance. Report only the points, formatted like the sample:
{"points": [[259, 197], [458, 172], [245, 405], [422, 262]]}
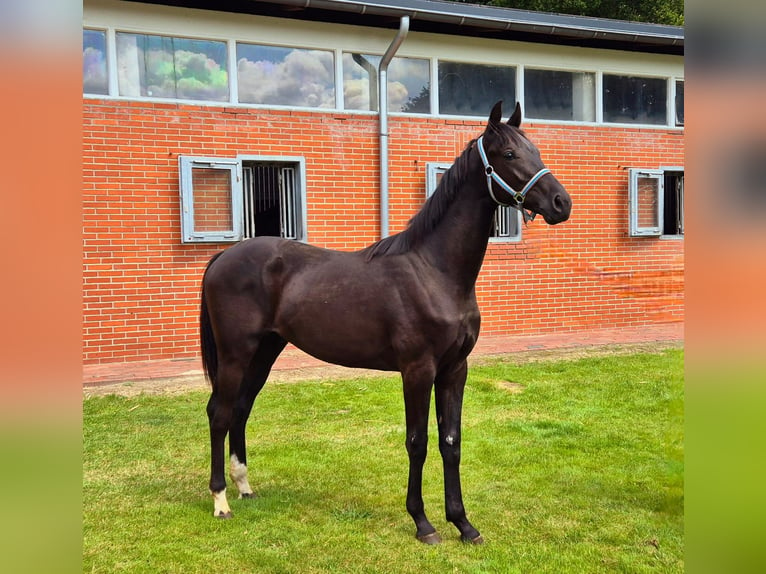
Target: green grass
{"points": [[576, 467]]}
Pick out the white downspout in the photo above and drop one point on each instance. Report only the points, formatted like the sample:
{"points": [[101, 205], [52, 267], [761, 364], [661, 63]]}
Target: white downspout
{"points": [[404, 26]]}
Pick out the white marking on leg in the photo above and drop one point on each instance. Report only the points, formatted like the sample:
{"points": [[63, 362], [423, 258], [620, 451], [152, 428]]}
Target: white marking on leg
{"points": [[238, 473], [220, 504], [450, 439]]}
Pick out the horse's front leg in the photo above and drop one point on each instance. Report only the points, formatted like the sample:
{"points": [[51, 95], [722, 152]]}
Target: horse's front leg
{"points": [[450, 385], [418, 382]]}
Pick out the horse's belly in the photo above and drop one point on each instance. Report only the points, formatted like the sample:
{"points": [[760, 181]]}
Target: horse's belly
{"points": [[343, 335], [340, 350]]}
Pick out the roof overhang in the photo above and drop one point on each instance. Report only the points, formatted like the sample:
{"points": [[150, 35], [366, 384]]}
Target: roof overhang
{"points": [[458, 18]]}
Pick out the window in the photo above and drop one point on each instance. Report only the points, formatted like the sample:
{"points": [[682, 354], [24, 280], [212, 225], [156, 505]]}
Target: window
{"points": [[559, 95], [507, 219], [635, 100], [271, 199], [679, 102], [656, 202], [227, 200], [408, 84], [274, 75], [673, 203], [472, 89], [94, 71], [169, 67]]}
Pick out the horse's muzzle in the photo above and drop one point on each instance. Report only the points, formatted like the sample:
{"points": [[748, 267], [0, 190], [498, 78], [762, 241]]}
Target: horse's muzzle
{"points": [[560, 208]]}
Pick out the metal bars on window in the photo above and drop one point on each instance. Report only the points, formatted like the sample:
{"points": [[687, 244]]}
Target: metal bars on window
{"points": [[680, 203], [270, 200], [506, 223], [288, 201], [226, 200]]}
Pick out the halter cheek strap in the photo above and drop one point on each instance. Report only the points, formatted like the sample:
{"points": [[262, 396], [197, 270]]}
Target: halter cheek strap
{"points": [[518, 196]]}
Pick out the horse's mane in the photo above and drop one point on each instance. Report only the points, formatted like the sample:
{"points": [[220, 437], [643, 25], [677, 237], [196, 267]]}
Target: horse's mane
{"points": [[429, 216]]}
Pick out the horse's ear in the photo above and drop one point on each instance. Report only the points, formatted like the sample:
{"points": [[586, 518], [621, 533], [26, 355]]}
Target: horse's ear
{"points": [[515, 119], [496, 115]]}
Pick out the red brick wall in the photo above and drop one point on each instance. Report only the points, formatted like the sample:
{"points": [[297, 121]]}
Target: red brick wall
{"points": [[141, 285]]}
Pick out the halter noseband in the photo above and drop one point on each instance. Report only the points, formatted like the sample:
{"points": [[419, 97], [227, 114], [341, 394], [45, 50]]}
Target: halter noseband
{"points": [[518, 196]]}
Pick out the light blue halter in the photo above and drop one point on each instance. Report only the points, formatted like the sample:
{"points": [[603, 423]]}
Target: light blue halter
{"points": [[518, 196]]}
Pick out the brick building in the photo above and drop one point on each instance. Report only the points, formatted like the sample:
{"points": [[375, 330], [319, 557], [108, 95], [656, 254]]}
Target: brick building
{"points": [[205, 123]]}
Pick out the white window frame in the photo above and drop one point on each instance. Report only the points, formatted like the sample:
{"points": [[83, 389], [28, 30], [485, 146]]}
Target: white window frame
{"points": [[634, 176], [186, 166], [433, 169], [189, 234]]}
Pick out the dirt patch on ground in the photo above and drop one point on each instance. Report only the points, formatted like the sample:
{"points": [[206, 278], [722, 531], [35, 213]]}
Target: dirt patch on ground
{"points": [[197, 382]]}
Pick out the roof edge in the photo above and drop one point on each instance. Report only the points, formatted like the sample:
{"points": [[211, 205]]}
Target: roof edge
{"points": [[497, 18]]}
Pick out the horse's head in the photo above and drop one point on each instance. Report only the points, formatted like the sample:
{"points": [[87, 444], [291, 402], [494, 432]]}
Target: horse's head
{"points": [[516, 175]]}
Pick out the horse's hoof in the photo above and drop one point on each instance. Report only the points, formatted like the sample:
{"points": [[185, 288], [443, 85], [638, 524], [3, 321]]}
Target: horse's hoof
{"points": [[223, 515], [432, 538], [247, 495], [477, 540]]}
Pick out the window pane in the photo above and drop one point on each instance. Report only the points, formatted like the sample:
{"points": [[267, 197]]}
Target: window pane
{"points": [[360, 81], [408, 84], [635, 100], [94, 78], [679, 103], [647, 196], [506, 222], [559, 95], [167, 67], [274, 75], [212, 200], [472, 89]]}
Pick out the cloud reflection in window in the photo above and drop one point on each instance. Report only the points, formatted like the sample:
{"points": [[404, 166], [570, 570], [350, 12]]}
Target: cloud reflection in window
{"points": [[94, 78], [274, 75], [408, 85]]}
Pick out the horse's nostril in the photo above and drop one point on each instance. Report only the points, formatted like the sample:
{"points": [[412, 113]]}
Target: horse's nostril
{"points": [[558, 203]]}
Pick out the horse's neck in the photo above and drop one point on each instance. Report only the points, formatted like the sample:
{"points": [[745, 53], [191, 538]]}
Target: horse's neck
{"points": [[458, 244]]}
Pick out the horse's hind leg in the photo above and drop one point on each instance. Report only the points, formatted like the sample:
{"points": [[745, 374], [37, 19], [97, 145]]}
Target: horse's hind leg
{"points": [[219, 412], [255, 377]]}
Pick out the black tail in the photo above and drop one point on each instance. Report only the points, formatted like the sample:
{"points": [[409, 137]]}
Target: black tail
{"points": [[206, 337]]}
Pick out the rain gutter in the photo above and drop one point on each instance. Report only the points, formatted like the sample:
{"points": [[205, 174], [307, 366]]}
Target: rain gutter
{"points": [[545, 25]]}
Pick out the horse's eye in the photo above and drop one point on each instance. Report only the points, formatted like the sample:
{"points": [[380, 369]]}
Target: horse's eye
{"points": [[509, 155]]}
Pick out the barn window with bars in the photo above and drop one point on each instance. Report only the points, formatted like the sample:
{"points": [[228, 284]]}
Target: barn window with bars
{"points": [[656, 202], [227, 200]]}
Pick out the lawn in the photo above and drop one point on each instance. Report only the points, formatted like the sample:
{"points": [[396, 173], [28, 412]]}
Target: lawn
{"points": [[568, 466]]}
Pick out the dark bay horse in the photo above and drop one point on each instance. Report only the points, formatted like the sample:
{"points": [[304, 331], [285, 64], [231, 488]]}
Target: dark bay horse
{"points": [[406, 303]]}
